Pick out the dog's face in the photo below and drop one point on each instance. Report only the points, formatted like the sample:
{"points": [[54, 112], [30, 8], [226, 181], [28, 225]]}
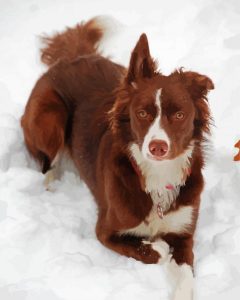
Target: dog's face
{"points": [[166, 113], [162, 119]]}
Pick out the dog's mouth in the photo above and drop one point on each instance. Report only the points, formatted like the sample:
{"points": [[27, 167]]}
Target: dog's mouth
{"points": [[157, 158]]}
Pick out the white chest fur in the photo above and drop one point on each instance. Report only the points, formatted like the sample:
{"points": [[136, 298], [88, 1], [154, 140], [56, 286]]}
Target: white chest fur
{"points": [[178, 221], [158, 175]]}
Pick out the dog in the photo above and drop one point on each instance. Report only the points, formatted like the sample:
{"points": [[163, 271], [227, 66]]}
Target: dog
{"points": [[136, 137]]}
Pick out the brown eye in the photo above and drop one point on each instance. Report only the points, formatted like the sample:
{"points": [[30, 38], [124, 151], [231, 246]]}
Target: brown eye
{"points": [[179, 115], [142, 114]]}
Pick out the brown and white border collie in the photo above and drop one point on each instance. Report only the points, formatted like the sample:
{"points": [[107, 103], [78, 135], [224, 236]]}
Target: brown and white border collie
{"points": [[136, 137]]}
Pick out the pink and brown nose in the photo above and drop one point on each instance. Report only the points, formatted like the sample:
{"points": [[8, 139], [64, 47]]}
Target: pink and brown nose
{"points": [[158, 148]]}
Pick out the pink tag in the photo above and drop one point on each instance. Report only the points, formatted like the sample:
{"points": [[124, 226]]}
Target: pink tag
{"points": [[169, 187]]}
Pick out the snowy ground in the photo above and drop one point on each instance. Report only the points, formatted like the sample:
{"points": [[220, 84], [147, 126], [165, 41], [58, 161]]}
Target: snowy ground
{"points": [[48, 248]]}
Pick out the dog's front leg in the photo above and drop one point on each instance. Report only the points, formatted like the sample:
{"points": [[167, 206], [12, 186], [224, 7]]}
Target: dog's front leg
{"points": [[132, 246], [180, 267], [123, 207], [184, 281]]}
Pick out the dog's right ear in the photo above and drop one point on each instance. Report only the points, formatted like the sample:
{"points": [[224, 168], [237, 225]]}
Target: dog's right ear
{"points": [[141, 64]]}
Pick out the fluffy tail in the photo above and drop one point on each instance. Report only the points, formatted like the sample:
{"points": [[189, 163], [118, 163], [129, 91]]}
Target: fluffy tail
{"points": [[81, 40]]}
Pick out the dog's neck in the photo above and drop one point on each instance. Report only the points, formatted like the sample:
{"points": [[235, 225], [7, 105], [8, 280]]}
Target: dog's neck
{"points": [[162, 180]]}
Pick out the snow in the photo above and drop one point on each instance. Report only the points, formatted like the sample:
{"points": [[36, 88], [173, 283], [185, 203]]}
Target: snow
{"points": [[48, 247]]}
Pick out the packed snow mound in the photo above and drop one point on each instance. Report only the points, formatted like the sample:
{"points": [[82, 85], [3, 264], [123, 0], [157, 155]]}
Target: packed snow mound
{"points": [[48, 246]]}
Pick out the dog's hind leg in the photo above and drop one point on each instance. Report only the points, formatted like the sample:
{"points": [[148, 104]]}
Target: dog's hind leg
{"points": [[44, 123]]}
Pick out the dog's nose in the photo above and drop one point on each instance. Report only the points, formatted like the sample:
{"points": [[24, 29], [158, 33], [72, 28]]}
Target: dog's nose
{"points": [[158, 148]]}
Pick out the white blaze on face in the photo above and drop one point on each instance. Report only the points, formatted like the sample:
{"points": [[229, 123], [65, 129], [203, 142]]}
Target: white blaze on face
{"points": [[155, 132]]}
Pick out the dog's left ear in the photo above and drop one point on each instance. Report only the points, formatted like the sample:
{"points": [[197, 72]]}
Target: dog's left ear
{"points": [[198, 85], [141, 63]]}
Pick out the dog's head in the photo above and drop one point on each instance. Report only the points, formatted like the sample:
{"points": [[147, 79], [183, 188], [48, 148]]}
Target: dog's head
{"points": [[162, 115]]}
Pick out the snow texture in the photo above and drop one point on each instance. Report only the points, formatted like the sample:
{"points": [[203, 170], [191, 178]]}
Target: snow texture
{"points": [[48, 246]]}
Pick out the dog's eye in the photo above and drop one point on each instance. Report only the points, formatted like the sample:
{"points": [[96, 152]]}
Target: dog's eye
{"points": [[142, 114], [179, 115]]}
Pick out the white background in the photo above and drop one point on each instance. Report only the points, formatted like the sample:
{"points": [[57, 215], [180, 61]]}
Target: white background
{"points": [[48, 247]]}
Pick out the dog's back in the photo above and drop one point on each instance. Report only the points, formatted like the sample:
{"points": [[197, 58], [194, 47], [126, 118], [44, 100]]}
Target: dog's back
{"points": [[78, 77]]}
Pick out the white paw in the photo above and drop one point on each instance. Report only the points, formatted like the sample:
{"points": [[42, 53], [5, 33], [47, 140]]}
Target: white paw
{"points": [[162, 248], [183, 293], [184, 289]]}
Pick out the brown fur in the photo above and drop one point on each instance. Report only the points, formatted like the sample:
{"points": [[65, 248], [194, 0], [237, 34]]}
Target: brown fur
{"points": [[237, 156], [44, 124], [57, 47], [88, 105]]}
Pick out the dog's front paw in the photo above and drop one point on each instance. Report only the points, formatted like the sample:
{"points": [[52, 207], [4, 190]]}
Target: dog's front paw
{"points": [[183, 293], [162, 248], [184, 288]]}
